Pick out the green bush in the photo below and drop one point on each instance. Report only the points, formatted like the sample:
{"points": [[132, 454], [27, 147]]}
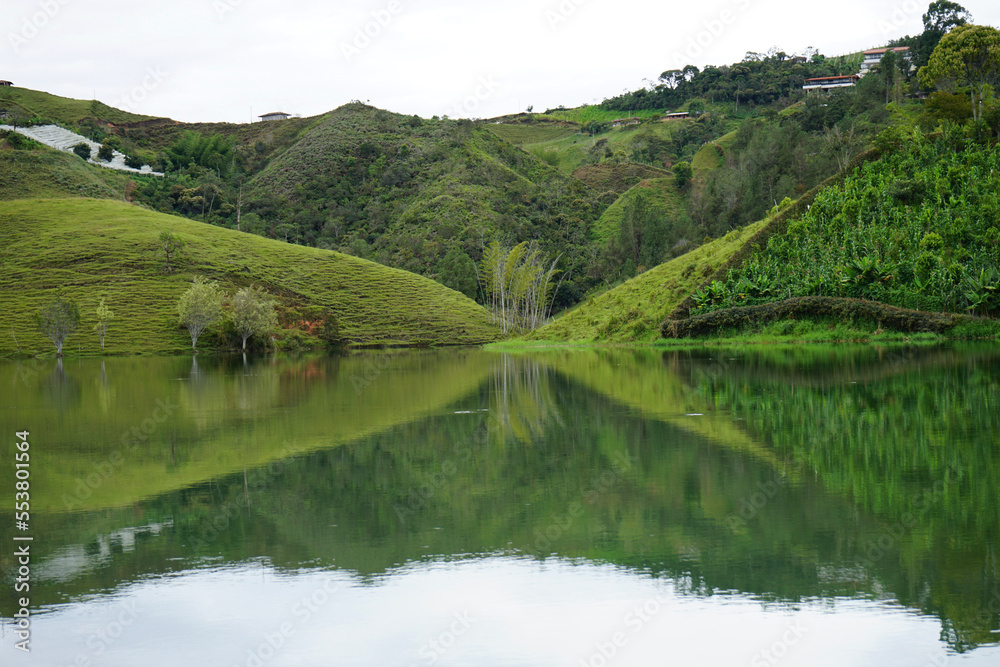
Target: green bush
{"points": [[83, 150], [834, 308], [105, 153]]}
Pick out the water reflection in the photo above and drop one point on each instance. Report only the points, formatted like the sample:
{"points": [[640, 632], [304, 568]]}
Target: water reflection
{"points": [[853, 487]]}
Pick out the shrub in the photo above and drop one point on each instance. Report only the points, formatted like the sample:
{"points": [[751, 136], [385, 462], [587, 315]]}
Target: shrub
{"points": [[106, 153], [838, 308], [83, 150]]}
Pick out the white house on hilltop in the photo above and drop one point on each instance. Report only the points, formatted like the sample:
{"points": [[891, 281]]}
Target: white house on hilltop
{"points": [[275, 115]]}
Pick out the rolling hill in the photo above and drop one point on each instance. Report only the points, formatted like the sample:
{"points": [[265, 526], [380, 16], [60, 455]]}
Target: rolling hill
{"points": [[91, 250]]}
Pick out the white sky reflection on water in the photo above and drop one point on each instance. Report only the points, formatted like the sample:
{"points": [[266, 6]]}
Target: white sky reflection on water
{"points": [[490, 611]]}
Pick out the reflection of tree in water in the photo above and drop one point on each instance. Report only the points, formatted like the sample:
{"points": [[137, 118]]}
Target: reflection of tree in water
{"points": [[908, 436], [522, 403], [60, 388]]}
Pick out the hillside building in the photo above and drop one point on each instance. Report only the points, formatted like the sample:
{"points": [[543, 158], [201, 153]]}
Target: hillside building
{"points": [[828, 83], [873, 56], [621, 122], [275, 115], [6, 83]]}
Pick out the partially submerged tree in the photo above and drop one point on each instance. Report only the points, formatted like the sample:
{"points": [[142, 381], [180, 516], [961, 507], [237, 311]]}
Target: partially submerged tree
{"points": [[968, 55], [57, 320], [200, 306], [252, 313], [104, 317], [171, 245]]}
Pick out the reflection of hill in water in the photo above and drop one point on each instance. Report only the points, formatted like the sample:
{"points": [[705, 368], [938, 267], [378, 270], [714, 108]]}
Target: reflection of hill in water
{"points": [[768, 503], [138, 428]]}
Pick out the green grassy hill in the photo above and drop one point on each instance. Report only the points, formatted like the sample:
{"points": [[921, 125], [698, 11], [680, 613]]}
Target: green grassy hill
{"points": [[634, 311], [617, 178], [93, 249], [568, 145], [45, 172], [420, 195], [659, 194], [27, 104]]}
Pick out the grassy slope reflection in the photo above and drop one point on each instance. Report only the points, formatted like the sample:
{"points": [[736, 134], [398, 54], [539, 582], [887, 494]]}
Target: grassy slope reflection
{"points": [[109, 434]]}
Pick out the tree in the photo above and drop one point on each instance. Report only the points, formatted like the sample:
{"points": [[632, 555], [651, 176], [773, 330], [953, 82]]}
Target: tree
{"points": [[200, 306], [104, 317], [457, 271], [969, 55], [517, 286], [83, 150], [943, 15], [672, 77], [172, 246], [57, 320], [841, 145], [682, 173], [105, 152], [252, 313]]}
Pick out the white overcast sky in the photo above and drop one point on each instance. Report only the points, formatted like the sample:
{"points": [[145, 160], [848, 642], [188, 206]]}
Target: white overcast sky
{"points": [[221, 60]]}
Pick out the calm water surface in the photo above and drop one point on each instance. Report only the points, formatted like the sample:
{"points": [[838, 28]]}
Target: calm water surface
{"points": [[760, 507]]}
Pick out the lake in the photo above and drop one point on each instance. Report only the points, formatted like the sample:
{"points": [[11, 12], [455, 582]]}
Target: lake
{"points": [[759, 506]]}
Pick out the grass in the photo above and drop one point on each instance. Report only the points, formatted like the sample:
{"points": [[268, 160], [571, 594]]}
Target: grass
{"points": [[47, 173], [93, 249], [62, 110], [634, 311], [586, 114], [617, 178], [520, 134], [660, 195], [568, 150]]}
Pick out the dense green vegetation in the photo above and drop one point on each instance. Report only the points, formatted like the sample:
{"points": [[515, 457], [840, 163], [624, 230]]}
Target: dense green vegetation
{"points": [[94, 250], [634, 310], [916, 229]]}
